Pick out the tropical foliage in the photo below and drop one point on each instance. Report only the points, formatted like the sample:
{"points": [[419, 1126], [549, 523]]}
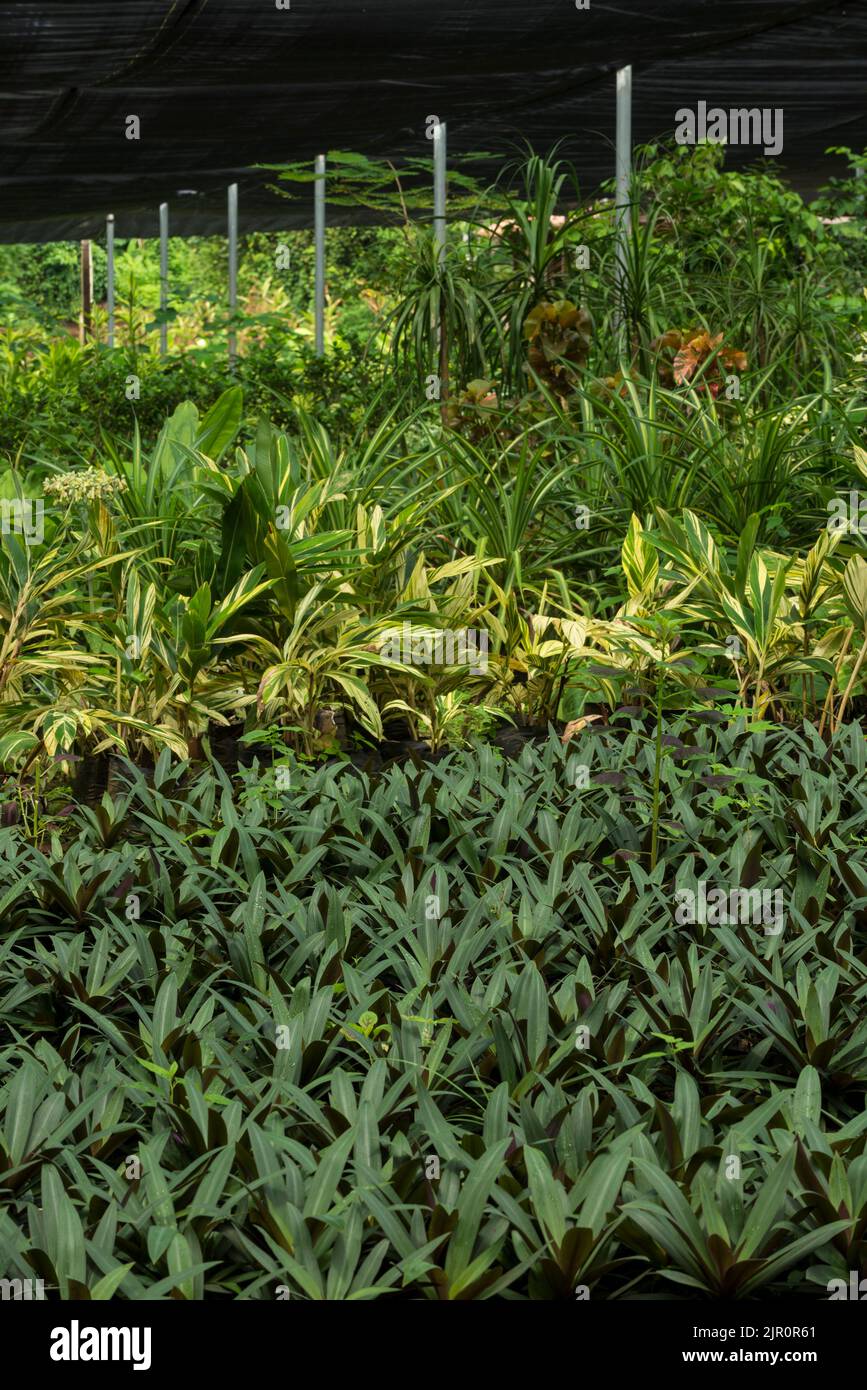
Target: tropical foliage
{"points": [[371, 727]]}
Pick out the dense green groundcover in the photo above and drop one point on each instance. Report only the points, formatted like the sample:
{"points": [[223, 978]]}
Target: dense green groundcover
{"points": [[438, 1032]]}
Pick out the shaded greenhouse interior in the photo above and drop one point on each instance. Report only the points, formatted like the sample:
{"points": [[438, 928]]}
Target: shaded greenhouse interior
{"points": [[220, 85]]}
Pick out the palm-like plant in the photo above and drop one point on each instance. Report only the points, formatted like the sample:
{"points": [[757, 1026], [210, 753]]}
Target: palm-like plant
{"points": [[531, 245], [445, 315]]}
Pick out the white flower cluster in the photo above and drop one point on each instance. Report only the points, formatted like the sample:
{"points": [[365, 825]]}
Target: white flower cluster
{"points": [[85, 485]]}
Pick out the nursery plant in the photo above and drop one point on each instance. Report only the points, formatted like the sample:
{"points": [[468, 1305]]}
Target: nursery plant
{"points": [[433, 844]]}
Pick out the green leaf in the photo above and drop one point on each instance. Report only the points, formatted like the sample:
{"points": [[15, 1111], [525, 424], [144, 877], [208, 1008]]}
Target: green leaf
{"points": [[808, 1100], [599, 1188], [20, 1104], [766, 1208], [476, 1190], [546, 1194], [855, 590], [221, 424], [64, 1235], [106, 1287], [165, 1010]]}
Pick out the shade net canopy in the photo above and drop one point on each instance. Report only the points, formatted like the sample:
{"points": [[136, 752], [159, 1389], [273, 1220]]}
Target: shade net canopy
{"points": [[219, 86]]}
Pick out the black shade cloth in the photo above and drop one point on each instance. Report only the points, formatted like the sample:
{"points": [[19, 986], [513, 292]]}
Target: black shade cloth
{"points": [[219, 85]]}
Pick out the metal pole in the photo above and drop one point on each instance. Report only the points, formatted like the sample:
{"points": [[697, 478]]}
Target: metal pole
{"points": [[109, 275], [319, 241], [439, 216], [86, 293], [439, 226], [623, 182], [233, 271], [164, 277]]}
